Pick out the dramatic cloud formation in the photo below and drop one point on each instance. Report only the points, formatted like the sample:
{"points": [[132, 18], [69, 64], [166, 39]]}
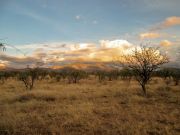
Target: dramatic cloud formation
{"points": [[149, 35], [53, 54], [57, 54], [168, 22]]}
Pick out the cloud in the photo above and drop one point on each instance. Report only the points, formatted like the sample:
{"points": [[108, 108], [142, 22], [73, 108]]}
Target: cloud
{"points": [[81, 46], [77, 17], [173, 52], [44, 46], [168, 22], [2, 64], [89, 52], [149, 35], [18, 61], [60, 53], [115, 44], [165, 43]]}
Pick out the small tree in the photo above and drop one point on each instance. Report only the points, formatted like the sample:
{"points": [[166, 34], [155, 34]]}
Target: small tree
{"points": [[75, 75], [143, 61], [166, 74], [101, 75], [28, 77], [112, 75], [176, 76], [24, 77], [3, 77], [126, 74]]}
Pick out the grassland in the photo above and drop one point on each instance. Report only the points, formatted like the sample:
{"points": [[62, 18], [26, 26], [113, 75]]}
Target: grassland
{"points": [[89, 108]]}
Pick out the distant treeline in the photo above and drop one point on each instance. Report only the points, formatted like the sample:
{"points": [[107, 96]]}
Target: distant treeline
{"points": [[29, 76]]}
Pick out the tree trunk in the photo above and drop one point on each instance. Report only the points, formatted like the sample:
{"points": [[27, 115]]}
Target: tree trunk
{"points": [[144, 89], [32, 84], [75, 80], [25, 83]]}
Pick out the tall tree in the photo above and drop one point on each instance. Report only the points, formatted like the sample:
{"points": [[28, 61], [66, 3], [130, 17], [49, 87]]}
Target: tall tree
{"points": [[143, 61]]}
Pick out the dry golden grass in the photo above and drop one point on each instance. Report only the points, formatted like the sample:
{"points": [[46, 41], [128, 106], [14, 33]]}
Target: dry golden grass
{"points": [[89, 108]]}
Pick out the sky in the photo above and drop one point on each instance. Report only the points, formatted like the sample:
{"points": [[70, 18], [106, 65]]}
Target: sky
{"points": [[65, 31]]}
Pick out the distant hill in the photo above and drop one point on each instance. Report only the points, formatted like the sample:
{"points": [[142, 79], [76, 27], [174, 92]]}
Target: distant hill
{"points": [[87, 66]]}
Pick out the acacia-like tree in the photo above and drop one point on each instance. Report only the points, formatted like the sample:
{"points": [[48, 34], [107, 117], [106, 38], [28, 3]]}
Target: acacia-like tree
{"points": [[75, 75], [143, 61], [28, 77]]}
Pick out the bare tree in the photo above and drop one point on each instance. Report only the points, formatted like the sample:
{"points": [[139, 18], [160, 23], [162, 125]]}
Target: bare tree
{"points": [[28, 77], [143, 61], [75, 75]]}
